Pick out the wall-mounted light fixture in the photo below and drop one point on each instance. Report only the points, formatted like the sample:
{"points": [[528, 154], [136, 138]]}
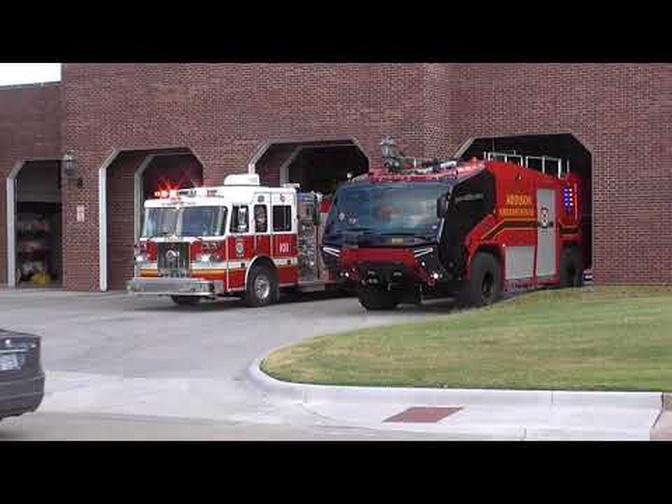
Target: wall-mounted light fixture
{"points": [[69, 166]]}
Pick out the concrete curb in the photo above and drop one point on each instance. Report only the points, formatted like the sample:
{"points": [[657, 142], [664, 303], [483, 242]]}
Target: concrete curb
{"points": [[667, 401], [305, 393]]}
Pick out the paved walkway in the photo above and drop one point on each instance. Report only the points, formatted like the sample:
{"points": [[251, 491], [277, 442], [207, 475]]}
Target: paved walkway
{"points": [[480, 414]]}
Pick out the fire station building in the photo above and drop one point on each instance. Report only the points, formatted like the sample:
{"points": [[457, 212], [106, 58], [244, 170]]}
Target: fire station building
{"points": [[79, 157]]}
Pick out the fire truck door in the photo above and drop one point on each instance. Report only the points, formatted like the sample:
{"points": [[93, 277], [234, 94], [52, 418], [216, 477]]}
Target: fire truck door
{"points": [[261, 219], [546, 233]]}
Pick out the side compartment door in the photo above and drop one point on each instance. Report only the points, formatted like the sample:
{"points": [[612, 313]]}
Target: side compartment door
{"points": [[284, 240], [546, 234], [307, 211]]}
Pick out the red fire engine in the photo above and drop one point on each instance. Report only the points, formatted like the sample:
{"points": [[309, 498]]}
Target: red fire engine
{"points": [[239, 239], [426, 228]]}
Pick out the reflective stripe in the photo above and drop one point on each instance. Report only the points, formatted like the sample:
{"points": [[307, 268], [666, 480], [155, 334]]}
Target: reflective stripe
{"points": [[208, 265], [223, 265]]}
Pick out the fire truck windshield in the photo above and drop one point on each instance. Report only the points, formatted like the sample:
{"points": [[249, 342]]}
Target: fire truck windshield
{"points": [[202, 221], [159, 222], [408, 209], [187, 221]]}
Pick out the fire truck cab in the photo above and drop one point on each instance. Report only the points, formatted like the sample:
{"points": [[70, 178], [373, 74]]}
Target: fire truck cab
{"points": [[240, 239], [465, 229]]}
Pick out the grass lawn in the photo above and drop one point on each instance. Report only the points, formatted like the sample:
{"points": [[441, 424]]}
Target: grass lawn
{"points": [[594, 338]]}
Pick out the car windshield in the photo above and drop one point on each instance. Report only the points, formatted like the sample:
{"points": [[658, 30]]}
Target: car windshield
{"points": [[387, 209], [189, 221], [202, 221], [159, 222]]}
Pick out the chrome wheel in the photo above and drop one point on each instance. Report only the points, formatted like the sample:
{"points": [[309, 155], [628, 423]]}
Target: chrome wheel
{"points": [[262, 287]]}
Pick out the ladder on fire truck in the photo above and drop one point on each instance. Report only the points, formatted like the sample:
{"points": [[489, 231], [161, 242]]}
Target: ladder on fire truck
{"points": [[395, 160], [545, 164]]}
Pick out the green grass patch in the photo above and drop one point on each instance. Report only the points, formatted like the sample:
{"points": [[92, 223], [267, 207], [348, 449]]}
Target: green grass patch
{"points": [[594, 338]]}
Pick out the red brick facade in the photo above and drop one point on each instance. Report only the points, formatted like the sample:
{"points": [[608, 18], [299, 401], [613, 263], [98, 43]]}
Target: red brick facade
{"points": [[225, 113], [30, 129]]}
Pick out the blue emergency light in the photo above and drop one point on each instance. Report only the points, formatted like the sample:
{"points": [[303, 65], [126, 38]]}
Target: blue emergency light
{"points": [[568, 198]]}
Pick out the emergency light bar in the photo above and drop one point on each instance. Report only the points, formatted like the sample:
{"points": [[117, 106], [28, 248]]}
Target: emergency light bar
{"points": [[165, 194]]}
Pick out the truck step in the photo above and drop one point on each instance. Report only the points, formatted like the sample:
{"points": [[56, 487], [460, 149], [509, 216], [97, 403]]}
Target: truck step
{"points": [[312, 286]]}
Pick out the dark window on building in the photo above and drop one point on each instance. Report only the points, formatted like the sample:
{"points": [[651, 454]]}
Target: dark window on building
{"points": [[260, 219], [282, 218], [240, 219]]}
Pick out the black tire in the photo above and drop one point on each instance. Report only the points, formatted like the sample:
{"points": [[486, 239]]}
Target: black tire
{"points": [[186, 300], [484, 285], [377, 299], [571, 268], [262, 287]]}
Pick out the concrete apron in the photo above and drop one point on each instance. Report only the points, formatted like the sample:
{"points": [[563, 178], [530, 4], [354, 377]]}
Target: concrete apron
{"points": [[482, 414]]}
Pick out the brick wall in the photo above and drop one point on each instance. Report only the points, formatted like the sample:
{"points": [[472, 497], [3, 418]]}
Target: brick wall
{"points": [[30, 124], [622, 114], [225, 112], [120, 227]]}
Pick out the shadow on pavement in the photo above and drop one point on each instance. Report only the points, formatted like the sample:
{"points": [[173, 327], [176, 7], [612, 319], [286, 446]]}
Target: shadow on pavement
{"points": [[165, 304], [437, 306]]}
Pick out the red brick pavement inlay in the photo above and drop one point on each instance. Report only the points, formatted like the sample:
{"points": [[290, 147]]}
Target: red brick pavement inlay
{"points": [[422, 415]]}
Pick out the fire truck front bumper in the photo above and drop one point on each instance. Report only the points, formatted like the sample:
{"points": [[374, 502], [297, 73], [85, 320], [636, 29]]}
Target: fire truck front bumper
{"points": [[171, 287]]}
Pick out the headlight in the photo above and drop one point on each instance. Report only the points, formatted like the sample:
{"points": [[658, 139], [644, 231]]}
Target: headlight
{"points": [[331, 251], [423, 251]]}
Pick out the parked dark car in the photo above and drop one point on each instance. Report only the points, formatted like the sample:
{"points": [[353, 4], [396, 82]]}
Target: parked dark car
{"points": [[21, 374]]}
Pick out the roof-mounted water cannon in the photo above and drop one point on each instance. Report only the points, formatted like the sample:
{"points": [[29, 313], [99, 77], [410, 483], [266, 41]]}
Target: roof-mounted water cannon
{"points": [[392, 156], [395, 160]]}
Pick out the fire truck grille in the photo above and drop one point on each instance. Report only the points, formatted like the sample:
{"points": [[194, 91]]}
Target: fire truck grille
{"points": [[173, 259]]}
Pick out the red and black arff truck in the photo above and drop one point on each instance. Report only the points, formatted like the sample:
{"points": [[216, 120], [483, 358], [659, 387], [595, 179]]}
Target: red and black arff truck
{"points": [[467, 229]]}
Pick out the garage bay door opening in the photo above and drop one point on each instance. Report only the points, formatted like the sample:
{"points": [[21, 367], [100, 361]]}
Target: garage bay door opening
{"points": [[576, 159], [320, 166], [165, 172], [38, 240], [133, 177]]}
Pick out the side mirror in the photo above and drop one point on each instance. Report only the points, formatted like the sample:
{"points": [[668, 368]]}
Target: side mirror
{"points": [[242, 220], [442, 206]]}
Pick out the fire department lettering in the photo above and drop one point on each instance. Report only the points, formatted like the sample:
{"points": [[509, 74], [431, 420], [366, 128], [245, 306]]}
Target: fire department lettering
{"points": [[283, 248], [517, 212], [517, 205], [513, 199]]}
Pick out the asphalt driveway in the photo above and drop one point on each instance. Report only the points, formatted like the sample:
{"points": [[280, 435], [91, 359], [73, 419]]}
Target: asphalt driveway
{"points": [[125, 357]]}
